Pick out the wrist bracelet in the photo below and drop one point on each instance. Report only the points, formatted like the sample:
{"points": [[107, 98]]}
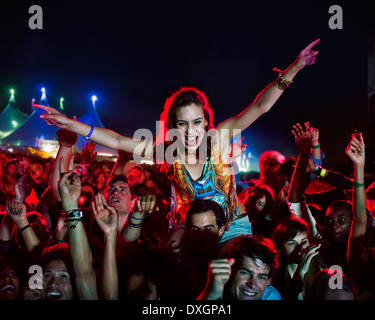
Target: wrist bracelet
{"points": [[316, 147], [90, 133], [281, 82], [323, 173], [139, 219], [73, 214], [358, 185], [319, 171], [87, 137], [25, 227], [135, 225]]}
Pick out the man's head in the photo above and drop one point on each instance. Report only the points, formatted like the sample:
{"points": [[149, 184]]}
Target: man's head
{"points": [[119, 194], [256, 262], [134, 173], [270, 162], [205, 224]]}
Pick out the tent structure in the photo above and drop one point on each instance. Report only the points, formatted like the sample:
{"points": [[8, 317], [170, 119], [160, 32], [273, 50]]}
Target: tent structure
{"points": [[92, 118], [35, 133], [33, 130], [11, 117]]}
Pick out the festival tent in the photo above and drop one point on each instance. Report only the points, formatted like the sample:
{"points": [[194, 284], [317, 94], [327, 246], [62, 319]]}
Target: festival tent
{"points": [[35, 133], [33, 130], [11, 117], [92, 118]]}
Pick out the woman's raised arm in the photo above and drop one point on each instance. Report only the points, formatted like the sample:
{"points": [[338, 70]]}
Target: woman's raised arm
{"points": [[268, 96], [102, 136]]}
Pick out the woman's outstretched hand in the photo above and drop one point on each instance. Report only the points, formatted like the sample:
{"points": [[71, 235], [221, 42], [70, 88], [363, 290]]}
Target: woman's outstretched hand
{"points": [[53, 117], [307, 56]]}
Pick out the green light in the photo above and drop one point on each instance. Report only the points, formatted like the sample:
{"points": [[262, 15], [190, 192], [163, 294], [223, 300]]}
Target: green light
{"points": [[61, 103], [11, 91]]}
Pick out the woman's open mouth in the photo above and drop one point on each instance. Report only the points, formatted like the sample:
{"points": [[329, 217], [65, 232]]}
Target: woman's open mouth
{"points": [[191, 141]]}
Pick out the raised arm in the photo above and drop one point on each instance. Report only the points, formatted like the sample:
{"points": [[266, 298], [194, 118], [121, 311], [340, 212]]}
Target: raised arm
{"points": [[268, 96], [118, 168], [98, 135], [107, 219], [22, 190], [70, 190], [17, 212], [219, 272], [356, 254], [67, 140], [296, 199], [315, 145], [132, 228]]}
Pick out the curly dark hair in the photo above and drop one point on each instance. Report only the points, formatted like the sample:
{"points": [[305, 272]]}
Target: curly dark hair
{"points": [[254, 247]]}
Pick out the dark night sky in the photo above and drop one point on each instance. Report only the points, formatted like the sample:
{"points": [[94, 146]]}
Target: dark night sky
{"points": [[133, 56]]}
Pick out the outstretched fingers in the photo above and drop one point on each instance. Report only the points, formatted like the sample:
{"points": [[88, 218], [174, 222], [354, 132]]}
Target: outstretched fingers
{"points": [[311, 45]]}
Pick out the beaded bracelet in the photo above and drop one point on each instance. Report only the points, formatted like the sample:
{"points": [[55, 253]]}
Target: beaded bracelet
{"points": [[281, 82]]}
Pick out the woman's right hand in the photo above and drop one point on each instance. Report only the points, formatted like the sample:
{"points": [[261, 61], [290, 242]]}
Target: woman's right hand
{"points": [[306, 257], [53, 117]]}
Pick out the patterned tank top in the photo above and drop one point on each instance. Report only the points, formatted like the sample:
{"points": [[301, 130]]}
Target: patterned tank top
{"points": [[216, 183]]}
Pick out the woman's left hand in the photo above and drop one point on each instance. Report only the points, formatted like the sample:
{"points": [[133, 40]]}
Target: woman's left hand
{"points": [[307, 56]]}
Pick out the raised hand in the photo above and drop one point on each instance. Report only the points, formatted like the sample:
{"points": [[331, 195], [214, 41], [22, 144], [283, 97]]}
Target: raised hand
{"points": [[237, 148], [88, 155], [53, 117], [17, 212], [314, 133], [146, 204], [105, 215], [307, 56], [302, 137], [306, 257], [219, 272], [356, 149], [69, 185], [61, 229], [23, 187], [66, 138]]}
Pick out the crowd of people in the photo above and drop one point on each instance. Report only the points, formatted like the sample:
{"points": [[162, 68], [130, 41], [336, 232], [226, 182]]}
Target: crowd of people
{"points": [[75, 227]]}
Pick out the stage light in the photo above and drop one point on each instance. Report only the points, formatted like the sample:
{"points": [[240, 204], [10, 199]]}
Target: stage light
{"points": [[43, 90], [94, 98], [11, 91]]}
